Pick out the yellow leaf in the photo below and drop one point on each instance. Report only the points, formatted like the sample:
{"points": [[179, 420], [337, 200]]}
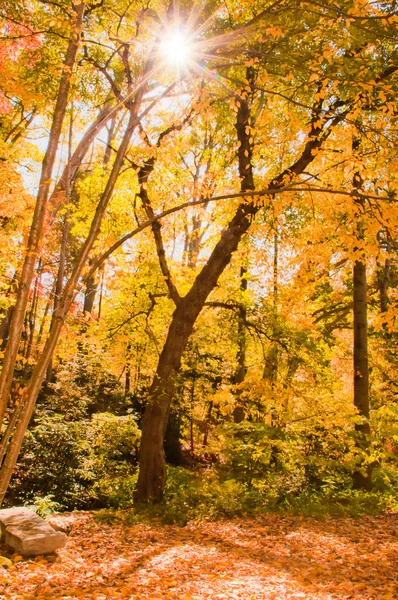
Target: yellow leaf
{"points": [[5, 562]]}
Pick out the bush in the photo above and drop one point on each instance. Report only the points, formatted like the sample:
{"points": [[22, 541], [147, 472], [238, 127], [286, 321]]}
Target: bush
{"points": [[78, 464], [51, 464], [112, 458]]}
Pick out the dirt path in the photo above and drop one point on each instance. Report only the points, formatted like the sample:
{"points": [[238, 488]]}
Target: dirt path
{"points": [[267, 558]]}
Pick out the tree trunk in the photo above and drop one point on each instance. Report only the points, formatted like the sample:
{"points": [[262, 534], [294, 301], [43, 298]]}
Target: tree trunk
{"points": [[5, 327], [101, 294], [152, 474], [35, 382], [7, 315], [383, 277], [59, 282], [271, 362], [172, 439], [44, 318], [362, 478], [239, 411], [127, 382], [33, 314], [90, 292], [39, 213]]}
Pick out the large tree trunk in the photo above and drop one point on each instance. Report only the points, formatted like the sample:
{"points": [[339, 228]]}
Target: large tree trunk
{"points": [[152, 474], [36, 229]]}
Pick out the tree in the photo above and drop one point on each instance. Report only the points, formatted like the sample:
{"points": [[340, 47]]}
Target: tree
{"points": [[268, 145], [327, 113]]}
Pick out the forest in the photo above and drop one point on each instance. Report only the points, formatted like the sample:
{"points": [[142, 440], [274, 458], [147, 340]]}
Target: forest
{"points": [[198, 260]]}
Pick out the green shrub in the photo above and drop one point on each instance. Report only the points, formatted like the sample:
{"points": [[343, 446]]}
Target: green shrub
{"points": [[112, 458], [51, 464], [78, 464]]}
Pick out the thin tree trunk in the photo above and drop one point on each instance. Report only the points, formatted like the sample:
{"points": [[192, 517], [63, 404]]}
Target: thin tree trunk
{"points": [[127, 384], [6, 320], [270, 372], [362, 478], [35, 382], [33, 314], [383, 277], [101, 295], [239, 411], [92, 283], [111, 134], [5, 327], [44, 318], [39, 213], [59, 282], [65, 182], [90, 292], [207, 424], [192, 407]]}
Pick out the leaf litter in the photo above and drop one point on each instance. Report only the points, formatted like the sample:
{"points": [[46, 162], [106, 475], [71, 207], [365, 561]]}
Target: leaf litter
{"points": [[268, 558]]}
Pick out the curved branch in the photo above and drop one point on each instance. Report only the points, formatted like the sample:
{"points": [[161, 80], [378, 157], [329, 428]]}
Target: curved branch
{"points": [[169, 211]]}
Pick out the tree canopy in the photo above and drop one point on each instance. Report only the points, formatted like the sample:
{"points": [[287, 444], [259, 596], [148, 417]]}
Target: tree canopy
{"points": [[199, 233]]}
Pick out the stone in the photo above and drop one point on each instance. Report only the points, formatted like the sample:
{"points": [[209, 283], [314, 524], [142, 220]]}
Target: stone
{"points": [[28, 533], [59, 526]]}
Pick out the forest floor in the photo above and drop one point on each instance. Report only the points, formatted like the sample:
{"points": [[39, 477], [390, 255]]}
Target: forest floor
{"points": [[272, 557]]}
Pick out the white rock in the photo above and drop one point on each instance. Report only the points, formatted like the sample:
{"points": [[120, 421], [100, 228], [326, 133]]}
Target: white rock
{"points": [[28, 533]]}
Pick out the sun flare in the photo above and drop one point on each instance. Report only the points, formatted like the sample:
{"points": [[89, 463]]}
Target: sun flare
{"points": [[176, 48]]}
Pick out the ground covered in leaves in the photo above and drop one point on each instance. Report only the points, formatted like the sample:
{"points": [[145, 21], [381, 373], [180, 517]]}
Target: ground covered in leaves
{"points": [[269, 558]]}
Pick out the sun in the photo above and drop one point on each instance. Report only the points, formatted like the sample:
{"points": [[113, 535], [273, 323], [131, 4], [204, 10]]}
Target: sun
{"points": [[176, 48]]}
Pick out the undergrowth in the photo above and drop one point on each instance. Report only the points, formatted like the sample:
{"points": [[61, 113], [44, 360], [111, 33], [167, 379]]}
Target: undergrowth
{"points": [[192, 496]]}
